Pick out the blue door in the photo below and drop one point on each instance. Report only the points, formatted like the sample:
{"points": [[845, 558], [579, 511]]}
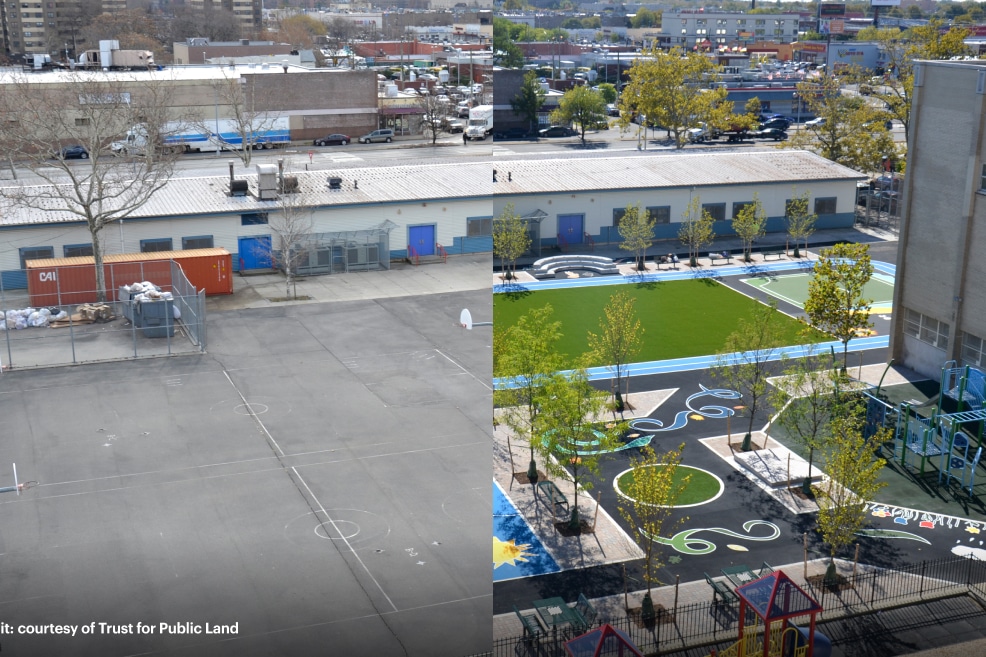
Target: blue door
{"points": [[422, 239], [255, 253], [570, 228]]}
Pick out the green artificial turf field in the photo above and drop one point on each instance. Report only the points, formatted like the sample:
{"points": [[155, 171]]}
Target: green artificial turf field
{"points": [[680, 318], [702, 486]]}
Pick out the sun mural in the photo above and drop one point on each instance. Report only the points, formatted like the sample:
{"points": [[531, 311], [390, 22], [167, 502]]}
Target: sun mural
{"points": [[508, 552]]}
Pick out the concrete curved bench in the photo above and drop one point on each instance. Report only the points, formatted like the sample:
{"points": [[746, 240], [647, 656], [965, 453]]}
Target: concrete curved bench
{"points": [[549, 267]]}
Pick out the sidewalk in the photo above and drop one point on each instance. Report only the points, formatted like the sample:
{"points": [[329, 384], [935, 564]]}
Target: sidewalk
{"points": [[459, 273]]}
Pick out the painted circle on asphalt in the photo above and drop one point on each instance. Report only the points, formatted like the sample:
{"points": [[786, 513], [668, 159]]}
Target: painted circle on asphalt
{"points": [[699, 477], [361, 529]]}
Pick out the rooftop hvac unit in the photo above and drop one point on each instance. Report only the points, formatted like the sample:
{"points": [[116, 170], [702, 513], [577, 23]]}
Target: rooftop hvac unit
{"points": [[238, 187], [290, 184], [335, 183], [267, 181]]}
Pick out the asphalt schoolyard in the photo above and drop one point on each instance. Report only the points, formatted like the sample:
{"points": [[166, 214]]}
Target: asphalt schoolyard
{"points": [[316, 483]]}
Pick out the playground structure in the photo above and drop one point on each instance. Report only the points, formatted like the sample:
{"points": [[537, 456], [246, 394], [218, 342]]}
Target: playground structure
{"points": [[951, 441], [774, 600]]}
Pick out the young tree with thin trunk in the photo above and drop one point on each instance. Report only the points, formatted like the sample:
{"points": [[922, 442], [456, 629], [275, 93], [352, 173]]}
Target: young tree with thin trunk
{"points": [[648, 506], [433, 116], [292, 229], [528, 101], [800, 221], [618, 340], [853, 469], [572, 431], [743, 363], [806, 394], [750, 224], [636, 227], [835, 301], [90, 110], [580, 106], [511, 239], [526, 361], [696, 229]]}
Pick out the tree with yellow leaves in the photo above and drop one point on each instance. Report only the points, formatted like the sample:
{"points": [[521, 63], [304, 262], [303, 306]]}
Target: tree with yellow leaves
{"points": [[672, 89]]}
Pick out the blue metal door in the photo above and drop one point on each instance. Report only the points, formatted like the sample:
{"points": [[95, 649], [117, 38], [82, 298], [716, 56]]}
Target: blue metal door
{"points": [[255, 253], [570, 228], [422, 239]]}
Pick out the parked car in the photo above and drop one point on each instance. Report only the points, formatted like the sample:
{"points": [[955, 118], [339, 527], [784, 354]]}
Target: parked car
{"points": [[73, 152], [865, 90], [456, 126], [510, 133], [384, 134], [780, 124], [332, 140], [557, 131], [612, 109], [816, 122], [772, 133]]}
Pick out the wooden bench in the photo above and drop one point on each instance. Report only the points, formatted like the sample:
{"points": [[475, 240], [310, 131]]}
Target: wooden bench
{"points": [[720, 590], [552, 492], [724, 256], [778, 253]]}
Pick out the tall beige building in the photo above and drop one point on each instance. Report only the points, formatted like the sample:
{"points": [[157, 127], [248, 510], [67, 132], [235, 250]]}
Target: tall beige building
{"points": [[249, 12], [52, 26], [939, 297]]}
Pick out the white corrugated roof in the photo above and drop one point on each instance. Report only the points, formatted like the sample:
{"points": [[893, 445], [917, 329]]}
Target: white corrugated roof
{"points": [[208, 195], [663, 169], [469, 180]]}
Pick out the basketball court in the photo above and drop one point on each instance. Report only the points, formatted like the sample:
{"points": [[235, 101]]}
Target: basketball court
{"points": [[318, 483]]}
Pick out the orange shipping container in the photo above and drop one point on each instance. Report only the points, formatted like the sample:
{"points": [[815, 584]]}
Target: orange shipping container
{"points": [[70, 281]]}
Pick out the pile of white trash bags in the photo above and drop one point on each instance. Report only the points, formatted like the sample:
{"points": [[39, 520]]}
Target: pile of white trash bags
{"points": [[147, 291], [30, 317]]}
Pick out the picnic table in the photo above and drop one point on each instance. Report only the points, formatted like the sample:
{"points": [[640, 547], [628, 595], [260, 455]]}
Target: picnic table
{"points": [[555, 613], [739, 574]]}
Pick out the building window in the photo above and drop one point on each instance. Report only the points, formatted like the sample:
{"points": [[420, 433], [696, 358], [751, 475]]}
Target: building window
{"points": [[149, 246], [197, 242], [76, 250], [254, 219], [972, 350], [479, 226], [84, 121], [825, 206], [661, 214], [926, 329], [716, 210], [35, 253], [618, 214], [982, 179], [738, 207]]}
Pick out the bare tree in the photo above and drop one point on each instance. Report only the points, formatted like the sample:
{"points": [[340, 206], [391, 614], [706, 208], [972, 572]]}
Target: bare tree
{"points": [[292, 234], [86, 109], [434, 116], [250, 120]]}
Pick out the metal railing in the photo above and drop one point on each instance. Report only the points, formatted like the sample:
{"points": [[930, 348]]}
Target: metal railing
{"points": [[707, 624]]}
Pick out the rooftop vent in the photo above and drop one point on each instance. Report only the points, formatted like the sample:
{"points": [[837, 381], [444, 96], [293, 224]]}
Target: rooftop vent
{"points": [[238, 187], [335, 183], [266, 181]]}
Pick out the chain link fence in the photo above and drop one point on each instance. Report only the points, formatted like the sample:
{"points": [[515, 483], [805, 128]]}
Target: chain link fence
{"points": [[119, 329]]}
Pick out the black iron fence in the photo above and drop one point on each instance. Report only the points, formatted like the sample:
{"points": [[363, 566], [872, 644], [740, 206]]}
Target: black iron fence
{"points": [[708, 624]]}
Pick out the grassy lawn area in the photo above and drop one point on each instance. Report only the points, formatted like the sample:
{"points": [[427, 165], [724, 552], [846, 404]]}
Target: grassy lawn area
{"points": [[680, 318]]}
